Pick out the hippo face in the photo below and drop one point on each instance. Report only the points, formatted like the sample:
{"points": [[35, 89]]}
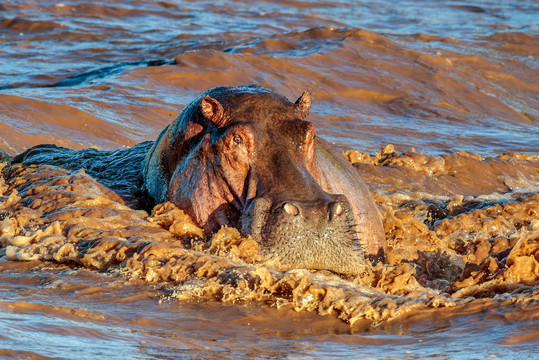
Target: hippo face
{"points": [[246, 157]]}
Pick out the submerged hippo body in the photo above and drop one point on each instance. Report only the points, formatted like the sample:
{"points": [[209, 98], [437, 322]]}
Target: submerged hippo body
{"points": [[246, 157]]}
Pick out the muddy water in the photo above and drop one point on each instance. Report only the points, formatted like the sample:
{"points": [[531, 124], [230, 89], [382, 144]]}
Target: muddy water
{"points": [[452, 86]]}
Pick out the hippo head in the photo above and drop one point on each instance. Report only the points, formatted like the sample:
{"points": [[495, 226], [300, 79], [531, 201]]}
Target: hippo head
{"points": [[246, 157]]}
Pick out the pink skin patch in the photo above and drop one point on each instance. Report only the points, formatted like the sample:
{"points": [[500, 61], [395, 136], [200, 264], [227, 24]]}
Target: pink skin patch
{"points": [[193, 129]]}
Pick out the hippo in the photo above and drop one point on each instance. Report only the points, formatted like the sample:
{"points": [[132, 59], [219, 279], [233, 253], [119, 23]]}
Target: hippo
{"points": [[246, 157]]}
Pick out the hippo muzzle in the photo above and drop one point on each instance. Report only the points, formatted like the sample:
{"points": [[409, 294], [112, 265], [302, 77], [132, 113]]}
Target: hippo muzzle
{"points": [[316, 234]]}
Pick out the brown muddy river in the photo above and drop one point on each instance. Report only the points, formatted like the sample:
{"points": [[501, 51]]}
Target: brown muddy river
{"points": [[435, 102]]}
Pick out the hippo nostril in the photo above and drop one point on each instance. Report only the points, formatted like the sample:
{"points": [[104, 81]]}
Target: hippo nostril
{"points": [[291, 209], [336, 210]]}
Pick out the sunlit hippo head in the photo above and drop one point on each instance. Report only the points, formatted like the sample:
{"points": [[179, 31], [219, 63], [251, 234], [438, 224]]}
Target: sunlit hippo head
{"points": [[247, 157]]}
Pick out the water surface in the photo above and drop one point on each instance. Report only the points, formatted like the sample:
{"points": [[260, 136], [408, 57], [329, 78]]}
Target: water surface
{"points": [[444, 78]]}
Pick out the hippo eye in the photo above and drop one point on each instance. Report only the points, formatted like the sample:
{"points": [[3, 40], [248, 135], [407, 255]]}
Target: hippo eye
{"points": [[238, 139]]}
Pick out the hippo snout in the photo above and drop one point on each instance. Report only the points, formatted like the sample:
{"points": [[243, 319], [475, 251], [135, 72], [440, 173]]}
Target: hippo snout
{"points": [[314, 234]]}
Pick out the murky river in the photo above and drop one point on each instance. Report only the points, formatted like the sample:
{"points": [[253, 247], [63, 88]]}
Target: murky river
{"points": [[453, 86]]}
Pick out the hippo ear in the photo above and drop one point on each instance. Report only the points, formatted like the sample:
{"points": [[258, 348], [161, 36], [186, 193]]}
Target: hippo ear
{"points": [[303, 104], [212, 110]]}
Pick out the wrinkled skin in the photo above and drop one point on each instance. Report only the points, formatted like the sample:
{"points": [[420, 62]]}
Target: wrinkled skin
{"points": [[246, 157]]}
